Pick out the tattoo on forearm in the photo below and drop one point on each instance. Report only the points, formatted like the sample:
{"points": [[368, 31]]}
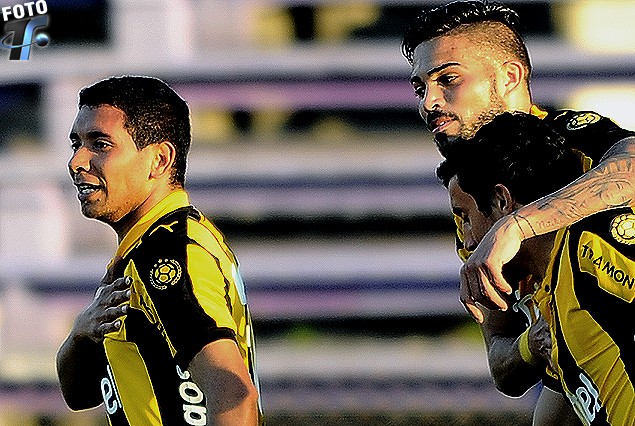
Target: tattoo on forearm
{"points": [[516, 216], [610, 185]]}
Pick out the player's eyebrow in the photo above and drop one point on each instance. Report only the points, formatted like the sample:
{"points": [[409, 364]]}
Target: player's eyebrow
{"points": [[441, 67], [414, 78], [93, 134]]}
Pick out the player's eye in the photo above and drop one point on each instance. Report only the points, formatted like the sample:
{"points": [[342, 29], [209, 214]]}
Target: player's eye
{"points": [[420, 92], [447, 79], [100, 144]]}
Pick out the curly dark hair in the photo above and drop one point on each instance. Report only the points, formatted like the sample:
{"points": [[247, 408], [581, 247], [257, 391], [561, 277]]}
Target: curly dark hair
{"points": [[462, 14], [517, 150], [153, 113]]}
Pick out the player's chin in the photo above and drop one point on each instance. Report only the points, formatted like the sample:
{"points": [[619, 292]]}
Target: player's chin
{"points": [[91, 211]]}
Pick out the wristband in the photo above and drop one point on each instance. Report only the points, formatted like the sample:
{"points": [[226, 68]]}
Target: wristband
{"points": [[525, 353]]}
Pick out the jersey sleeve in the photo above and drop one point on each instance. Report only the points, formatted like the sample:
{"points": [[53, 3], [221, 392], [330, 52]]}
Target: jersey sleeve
{"points": [[208, 294], [212, 286], [587, 131], [183, 289]]}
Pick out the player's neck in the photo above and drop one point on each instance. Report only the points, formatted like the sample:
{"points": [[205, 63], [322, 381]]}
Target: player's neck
{"points": [[126, 223], [519, 101]]}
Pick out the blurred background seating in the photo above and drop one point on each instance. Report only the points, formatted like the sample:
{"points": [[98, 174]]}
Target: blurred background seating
{"points": [[310, 156]]}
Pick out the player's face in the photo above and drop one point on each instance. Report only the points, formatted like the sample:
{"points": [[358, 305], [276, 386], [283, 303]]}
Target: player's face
{"points": [[475, 222], [110, 173], [456, 85]]}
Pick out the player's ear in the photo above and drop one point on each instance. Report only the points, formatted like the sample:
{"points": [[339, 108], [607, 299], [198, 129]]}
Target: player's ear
{"points": [[503, 200], [514, 75], [163, 159]]}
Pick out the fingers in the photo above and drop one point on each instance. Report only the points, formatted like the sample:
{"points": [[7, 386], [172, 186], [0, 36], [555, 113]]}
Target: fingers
{"points": [[470, 306], [496, 279], [483, 271], [490, 293], [103, 316], [478, 289], [474, 311], [111, 320], [117, 285]]}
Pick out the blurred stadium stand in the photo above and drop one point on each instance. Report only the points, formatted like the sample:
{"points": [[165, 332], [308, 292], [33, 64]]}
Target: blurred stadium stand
{"points": [[309, 154]]}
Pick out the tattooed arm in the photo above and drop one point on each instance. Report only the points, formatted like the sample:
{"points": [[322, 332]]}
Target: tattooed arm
{"points": [[611, 184]]}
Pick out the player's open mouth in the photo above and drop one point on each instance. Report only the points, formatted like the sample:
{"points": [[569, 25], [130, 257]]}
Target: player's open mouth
{"points": [[439, 124], [84, 190]]}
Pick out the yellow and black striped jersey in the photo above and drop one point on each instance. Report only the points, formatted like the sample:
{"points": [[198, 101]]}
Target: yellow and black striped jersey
{"points": [[186, 292], [587, 299]]}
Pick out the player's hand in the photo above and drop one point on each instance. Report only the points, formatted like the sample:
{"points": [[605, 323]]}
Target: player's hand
{"points": [[539, 340], [104, 314], [482, 279]]}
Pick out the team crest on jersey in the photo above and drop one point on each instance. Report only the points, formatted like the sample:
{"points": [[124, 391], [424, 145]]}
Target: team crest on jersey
{"points": [[164, 273], [623, 228], [582, 119]]}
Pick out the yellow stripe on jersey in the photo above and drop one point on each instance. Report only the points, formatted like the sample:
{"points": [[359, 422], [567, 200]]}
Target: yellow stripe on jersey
{"points": [[587, 162], [133, 384], [213, 289], [221, 287], [613, 270], [593, 349]]}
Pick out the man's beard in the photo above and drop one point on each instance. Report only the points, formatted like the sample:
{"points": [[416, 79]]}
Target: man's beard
{"points": [[494, 108], [467, 131]]}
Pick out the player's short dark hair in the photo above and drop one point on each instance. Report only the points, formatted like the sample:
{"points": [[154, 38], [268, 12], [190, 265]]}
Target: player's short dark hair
{"points": [[153, 113], [448, 18], [517, 150]]}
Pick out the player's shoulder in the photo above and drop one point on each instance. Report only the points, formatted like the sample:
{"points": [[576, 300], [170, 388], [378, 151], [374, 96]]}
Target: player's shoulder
{"points": [[615, 227], [587, 131], [567, 120], [169, 227], [204, 233]]}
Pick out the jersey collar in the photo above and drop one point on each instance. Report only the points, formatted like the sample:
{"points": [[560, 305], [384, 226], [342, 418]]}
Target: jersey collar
{"points": [[538, 112], [175, 200]]}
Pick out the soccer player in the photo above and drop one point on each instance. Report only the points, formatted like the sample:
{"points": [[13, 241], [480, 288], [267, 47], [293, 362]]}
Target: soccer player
{"points": [[470, 64], [167, 338], [586, 272]]}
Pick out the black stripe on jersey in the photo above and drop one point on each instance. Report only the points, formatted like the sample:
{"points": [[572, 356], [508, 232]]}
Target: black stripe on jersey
{"points": [[212, 333]]}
